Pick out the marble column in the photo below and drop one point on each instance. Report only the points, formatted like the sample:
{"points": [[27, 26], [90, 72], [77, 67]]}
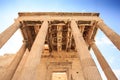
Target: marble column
{"points": [[113, 36], [89, 68], [14, 64], [105, 67], [5, 35], [20, 66], [33, 60]]}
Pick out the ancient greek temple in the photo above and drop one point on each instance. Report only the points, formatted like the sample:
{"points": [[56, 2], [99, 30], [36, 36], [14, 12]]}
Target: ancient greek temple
{"points": [[56, 46]]}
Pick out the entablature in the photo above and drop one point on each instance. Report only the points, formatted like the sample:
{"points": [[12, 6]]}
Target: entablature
{"points": [[59, 35]]}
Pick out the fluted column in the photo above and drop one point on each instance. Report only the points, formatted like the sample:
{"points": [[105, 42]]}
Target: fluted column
{"points": [[88, 66], [113, 36], [33, 60], [5, 35], [14, 64], [106, 68]]}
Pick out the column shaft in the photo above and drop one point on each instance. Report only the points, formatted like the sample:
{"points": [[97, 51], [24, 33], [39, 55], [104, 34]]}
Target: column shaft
{"points": [[14, 64], [114, 37], [21, 64], [5, 35], [106, 68], [88, 66], [33, 60]]}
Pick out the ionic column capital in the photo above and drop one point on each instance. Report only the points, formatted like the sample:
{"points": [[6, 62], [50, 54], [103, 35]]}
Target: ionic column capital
{"points": [[91, 42], [100, 21], [25, 41]]}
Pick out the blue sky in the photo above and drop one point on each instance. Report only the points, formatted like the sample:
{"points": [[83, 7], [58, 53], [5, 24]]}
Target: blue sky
{"points": [[109, 11]]}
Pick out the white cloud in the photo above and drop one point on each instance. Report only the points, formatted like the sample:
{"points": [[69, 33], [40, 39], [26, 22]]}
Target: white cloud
{"points": [[83, 10], [13, 44], [103, 41], [112, 59], [117, 72]]}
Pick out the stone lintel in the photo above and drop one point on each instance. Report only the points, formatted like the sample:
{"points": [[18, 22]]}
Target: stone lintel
{"points": [[57, 14]]}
